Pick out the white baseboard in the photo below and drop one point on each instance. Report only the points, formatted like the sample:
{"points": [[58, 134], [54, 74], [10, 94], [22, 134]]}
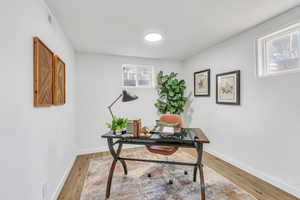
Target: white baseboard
{"points": [[63, 179], [91, 150], [272, 180]]}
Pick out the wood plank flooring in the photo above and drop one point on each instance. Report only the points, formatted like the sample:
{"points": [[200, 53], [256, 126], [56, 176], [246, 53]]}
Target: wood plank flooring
{"points": [[255, 186]]}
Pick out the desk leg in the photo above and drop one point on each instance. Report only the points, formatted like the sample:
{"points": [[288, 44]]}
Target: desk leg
{"points": [[115, 156], [124, 166], [195, 173], [199, 147], [202, 182]]}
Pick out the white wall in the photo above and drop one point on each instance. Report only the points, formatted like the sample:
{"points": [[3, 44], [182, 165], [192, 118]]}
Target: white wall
{"points": [[37, 144], [99, 83], [262, 135]]}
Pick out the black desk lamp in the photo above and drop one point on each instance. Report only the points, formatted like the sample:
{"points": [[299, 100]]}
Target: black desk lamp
{"points": [[125, 98]]}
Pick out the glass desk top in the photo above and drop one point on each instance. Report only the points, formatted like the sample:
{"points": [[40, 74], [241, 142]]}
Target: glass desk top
{"points": [[184, 135]]}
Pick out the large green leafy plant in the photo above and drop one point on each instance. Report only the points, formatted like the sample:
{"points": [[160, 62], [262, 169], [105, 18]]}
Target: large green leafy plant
{"points": [[171, 94], [117, 124]]}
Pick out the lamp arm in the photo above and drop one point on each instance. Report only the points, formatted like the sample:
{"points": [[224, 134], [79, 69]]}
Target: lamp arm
{"points": [[109, 107]]}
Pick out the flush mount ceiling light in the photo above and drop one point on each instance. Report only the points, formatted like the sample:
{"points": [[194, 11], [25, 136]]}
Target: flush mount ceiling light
{"points": [[153, 37]]}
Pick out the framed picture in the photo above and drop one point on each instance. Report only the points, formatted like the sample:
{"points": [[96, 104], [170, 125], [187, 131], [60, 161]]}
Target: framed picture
{"points": [[59, 82], [202, 83], [43, 74], [228, 88]]}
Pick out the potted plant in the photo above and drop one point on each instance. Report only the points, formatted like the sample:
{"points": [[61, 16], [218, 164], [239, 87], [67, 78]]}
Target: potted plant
{"points": [[171, 94], [117, 124]]}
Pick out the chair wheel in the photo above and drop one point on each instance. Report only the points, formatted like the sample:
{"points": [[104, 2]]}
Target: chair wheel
{"points": [[185, 173], [149, 175], [170, 182]]}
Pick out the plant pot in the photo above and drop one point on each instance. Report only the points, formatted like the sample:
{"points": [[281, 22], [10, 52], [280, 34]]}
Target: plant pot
{"points": [[119, 132]]}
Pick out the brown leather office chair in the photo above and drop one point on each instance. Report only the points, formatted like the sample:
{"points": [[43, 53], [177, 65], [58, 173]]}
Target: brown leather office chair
{"points": [[165, 150]]}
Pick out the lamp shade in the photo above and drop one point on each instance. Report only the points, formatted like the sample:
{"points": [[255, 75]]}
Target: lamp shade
{"points": [[128, 97]]}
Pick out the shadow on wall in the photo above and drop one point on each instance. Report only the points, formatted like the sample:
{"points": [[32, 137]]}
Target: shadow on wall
{"points": [[188, 111]]}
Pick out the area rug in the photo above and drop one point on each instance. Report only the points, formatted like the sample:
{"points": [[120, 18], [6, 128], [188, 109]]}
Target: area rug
{"points": [[138, 186]]}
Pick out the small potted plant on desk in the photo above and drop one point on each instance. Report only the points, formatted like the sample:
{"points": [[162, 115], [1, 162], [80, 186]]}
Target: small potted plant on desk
{"points": [[118, 124]]}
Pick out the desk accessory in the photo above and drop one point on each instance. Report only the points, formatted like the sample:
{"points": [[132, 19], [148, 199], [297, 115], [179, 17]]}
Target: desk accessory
{"points": [[126, 97], [134, 127], [165, 128], [117, 124]]}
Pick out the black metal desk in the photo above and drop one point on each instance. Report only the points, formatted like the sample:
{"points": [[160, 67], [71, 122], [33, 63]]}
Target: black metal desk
{"points": [[188, 138]]}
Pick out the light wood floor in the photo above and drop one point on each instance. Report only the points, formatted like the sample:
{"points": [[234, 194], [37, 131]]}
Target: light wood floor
{"points": [[255, 186]]}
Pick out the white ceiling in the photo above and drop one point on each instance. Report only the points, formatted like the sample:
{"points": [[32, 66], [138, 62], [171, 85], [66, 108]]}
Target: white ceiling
{"points": [[188, 26]]}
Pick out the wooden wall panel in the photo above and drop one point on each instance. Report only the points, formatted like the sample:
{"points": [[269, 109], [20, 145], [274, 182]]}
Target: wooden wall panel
{"points": [[43, 74], [59, 85]]}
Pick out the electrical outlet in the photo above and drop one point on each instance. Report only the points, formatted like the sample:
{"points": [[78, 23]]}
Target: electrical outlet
{"points": [[44, 191]]}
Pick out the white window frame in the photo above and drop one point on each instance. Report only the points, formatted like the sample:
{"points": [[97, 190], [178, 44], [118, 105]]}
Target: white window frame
{"points": [[138, 86], [262, 53]]}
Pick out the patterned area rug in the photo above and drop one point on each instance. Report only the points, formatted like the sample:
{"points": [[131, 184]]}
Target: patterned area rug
{"points": [[137, 186]]}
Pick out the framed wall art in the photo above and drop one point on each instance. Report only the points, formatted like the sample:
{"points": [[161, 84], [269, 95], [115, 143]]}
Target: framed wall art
{"points": [[59, 82], [228, 88], [202, 83], [43, 74]]}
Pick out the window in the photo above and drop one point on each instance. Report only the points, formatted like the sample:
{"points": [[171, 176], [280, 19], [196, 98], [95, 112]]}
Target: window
{"points": [[137, 76], [279, 52]]}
